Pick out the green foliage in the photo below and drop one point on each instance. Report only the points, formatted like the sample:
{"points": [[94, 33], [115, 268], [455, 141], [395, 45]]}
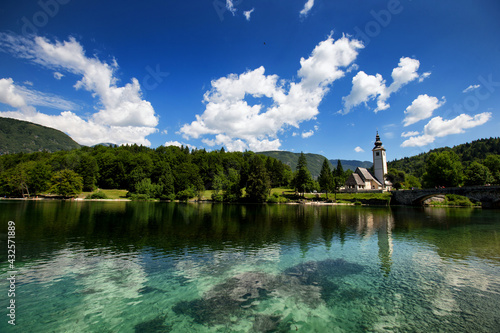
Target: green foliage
{"points": [[492, 162], [454, 200], [314, 161], [476, 151], [17, 136], [276, 198], [325, 179], [66, 183], [186, 194], [148, 189], [478, 174], [97, 195], [443, 169], [303, 181], [340, 176], [258, 185]]}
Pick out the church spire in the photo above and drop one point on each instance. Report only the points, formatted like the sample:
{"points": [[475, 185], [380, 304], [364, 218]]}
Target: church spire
{"points": [[378, 143]]}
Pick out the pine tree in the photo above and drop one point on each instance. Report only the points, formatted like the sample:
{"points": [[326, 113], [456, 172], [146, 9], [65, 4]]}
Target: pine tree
{"points": [[303, 180], [325, 178], [258, 184]]}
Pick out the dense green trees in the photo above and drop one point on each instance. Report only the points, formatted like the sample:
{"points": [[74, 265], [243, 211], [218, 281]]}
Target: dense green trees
{"points": [[66, 183], [258, 185], [165, 172], [443, 169], [325, 179], [478, 174], [302, 180]]}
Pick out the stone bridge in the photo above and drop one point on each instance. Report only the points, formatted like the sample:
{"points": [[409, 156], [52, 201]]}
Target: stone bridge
{"points": [[489, 196]]}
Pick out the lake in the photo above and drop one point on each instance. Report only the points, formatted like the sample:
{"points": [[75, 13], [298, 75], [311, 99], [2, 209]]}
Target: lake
{"points": [[171, 267]]}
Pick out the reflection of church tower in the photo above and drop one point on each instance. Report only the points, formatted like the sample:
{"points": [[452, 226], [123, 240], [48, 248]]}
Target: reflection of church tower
{"points": [[385, 244], [379, 161]]}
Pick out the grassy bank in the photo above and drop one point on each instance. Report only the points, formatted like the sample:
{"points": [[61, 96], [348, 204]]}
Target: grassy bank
{"points": [[453, 200]]}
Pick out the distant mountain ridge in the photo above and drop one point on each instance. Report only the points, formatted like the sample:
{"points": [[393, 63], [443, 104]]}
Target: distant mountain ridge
{"points": [[314, 161], [18, 136]]}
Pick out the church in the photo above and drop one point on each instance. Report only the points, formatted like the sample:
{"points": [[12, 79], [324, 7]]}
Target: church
{"points": [[362, 180]]}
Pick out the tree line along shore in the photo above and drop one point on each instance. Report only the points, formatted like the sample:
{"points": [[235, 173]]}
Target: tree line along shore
{"points": [[178, 173]]}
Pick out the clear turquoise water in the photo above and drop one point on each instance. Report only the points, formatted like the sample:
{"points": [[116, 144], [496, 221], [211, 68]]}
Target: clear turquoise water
{"points": [[158, 267]]}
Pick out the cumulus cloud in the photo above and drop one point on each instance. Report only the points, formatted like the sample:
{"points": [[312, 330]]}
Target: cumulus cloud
{"points": [[179, 144], [367, 87], [359, 150], [58, 75], [9, 94], [307, 7], [471, 87], [248, 13], [421, 108], [408, 134], [307, 134], [437, 127], [240, 126], [123, 116]]}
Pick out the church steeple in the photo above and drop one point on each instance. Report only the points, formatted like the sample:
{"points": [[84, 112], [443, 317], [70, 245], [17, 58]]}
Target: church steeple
{"points": [[378, 143], [379, 161]]}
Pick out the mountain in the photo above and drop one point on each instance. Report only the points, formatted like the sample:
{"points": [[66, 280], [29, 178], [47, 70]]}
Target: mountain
{"points": [[314, 161], [352, 164], [17, 136]]}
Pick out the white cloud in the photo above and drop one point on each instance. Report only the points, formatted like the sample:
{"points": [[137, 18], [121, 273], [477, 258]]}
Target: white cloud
{"points": [[424, 76], [19, 96], [241, 126], [358, 149], [230, 7], [9, 94], [471, 87], [58, 75], [165, 132], [28, 83], [407, 134], [248, 13], [307, 7], [123, 117], [82, 131], [421, 108], [307, 134], [368, 87], [179, 144], [437, 127]]}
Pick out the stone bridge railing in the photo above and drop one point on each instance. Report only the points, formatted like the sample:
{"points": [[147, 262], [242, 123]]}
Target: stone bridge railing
{"points": [[489, 196]]}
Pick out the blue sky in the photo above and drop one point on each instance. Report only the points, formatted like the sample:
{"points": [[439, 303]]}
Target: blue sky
{"points": [[302, 75]]}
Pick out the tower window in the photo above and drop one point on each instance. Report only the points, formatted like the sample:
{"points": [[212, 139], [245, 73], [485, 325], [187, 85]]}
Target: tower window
{"points": [[377, 154]]}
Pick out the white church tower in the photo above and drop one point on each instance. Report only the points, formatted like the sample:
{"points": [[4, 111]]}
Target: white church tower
{"points": [[379, 161]]}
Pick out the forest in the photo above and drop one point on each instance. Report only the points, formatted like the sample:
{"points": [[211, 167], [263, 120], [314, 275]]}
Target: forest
{"points": [[469, 164], [178, 173], [166, 173]]}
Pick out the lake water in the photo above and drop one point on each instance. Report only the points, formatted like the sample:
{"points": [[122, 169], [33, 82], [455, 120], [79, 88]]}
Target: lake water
{"points": [[161, 267]]}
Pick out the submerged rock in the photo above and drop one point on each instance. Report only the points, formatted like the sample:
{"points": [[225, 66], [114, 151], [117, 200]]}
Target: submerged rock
{"points": [[156, 325], [309, 283], [267, 323]]}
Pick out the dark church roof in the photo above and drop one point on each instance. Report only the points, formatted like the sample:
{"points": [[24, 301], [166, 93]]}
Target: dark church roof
{"points": [[354, 179], [366, 175]]}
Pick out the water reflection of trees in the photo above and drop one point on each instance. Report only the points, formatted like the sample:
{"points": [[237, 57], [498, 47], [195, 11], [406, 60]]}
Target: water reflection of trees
{"points": [[170, 227]]}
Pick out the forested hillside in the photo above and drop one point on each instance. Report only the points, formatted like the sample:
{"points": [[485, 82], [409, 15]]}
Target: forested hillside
{"points": [[314, 161], [474, 163], [18, 136], [474, 151]]}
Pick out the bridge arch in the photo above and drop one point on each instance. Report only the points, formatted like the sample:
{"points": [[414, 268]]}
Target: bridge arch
{"points": [[489, 196]]}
